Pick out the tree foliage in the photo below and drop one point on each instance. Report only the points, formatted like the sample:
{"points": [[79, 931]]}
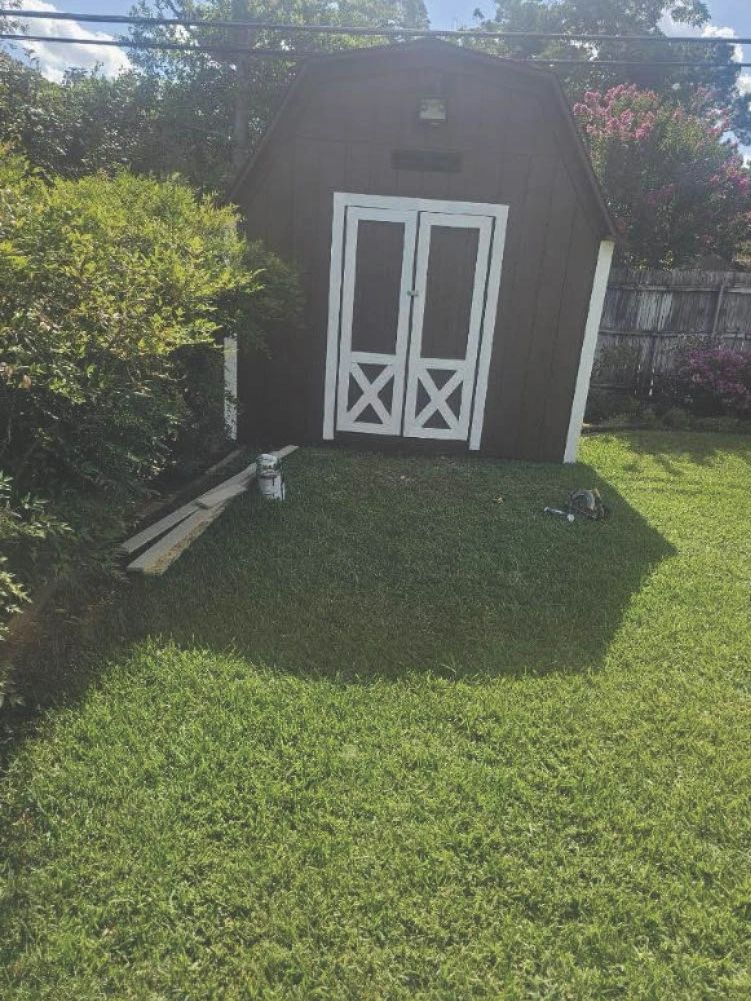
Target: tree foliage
{"points": [[677, 188], [624, 17], [85, 124], [215, 108], [194, 113]]}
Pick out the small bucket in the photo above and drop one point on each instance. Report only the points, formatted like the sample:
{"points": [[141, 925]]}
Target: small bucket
{"points": [[269, 477]]}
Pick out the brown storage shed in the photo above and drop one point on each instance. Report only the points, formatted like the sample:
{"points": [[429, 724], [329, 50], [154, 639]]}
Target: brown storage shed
{"points": [[454, 247]]}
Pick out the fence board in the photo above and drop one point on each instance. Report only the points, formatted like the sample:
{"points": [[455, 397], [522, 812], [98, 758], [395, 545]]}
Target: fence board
{"points": [[651, 316]]}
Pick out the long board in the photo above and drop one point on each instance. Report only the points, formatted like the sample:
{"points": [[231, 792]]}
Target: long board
{"points": [[206, 500]]}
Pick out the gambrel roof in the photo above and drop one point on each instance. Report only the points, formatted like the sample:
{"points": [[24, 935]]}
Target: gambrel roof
{"points": [[320, 69]]}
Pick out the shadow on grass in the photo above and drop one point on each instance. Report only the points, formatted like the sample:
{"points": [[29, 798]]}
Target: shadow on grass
{"points": [[377, 566]]}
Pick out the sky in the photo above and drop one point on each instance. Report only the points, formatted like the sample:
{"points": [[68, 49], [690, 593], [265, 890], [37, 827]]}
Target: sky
{"points": [[729, 18]]}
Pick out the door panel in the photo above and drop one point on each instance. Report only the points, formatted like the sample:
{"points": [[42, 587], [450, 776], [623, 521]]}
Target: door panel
{"points": [[448, 291], [378, 260], [378, 292], [451, 271]]}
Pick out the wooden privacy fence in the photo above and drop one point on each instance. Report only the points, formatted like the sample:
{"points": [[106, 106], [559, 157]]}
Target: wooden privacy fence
{"points": [[650, 316]]}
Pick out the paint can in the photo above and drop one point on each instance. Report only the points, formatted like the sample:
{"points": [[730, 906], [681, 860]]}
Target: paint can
{"points": [[269, 477]]}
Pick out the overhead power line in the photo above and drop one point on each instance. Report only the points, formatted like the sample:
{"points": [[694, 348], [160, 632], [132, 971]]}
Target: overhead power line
{"points": [[385, 31], [128, 43], [293, 56]]}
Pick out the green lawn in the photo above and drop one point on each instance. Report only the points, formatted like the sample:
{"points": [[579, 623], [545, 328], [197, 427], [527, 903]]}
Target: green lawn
{"points": [[405, 737]]}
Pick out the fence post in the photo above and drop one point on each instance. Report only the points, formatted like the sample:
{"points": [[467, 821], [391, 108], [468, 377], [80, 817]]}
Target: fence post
{"points": [[718, 308]]}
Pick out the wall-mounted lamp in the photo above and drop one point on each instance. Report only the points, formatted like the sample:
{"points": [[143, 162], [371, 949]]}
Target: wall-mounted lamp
{"points": [[432, 110]]}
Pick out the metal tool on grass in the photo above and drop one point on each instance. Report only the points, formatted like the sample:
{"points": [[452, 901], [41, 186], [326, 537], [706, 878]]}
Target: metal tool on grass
{"points": [[586, 503], [557, 511]]}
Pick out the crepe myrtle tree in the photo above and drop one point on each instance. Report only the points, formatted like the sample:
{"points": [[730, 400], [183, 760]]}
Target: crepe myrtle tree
{"points": [[677, 186]]}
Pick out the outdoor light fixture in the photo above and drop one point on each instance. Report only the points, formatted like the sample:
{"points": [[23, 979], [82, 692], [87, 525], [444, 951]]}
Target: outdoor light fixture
{"points": [[432, 110]]}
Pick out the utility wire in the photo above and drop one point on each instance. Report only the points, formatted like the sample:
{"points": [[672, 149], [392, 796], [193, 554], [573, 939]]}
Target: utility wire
{"points": [[290, 56], [338, 29], [127, 43]]}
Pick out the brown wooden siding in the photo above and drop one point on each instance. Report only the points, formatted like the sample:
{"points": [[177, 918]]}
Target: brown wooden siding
{"points": [[339, 135]]}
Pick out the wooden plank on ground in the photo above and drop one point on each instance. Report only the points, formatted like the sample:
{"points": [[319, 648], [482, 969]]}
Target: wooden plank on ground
{"points": [[216, 495], [221, 496], [138, 541], [163, 554]]}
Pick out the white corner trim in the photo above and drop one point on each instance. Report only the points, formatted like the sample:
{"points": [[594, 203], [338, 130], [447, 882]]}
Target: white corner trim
{"points": [[587, 357], [230, 386]]}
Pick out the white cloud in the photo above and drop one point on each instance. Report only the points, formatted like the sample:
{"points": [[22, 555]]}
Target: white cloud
{"points": [[55, 58], [710, 31], [743, 84], [671, 27]]}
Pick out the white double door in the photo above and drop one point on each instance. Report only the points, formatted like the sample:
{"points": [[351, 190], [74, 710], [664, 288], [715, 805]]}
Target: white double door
{"points": [[413, 294]]}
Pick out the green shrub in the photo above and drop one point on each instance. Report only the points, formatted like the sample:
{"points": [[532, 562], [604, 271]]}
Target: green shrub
{"points": [[677, 418], [104, 283], [255, 315], [604, 404], [27, 531], [114, 296]]}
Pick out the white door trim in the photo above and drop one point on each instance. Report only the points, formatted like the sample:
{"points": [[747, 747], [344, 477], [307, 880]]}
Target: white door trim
{"points": [[344, 202], [350, 361], [589, 345], [404, 204], [335, 302], [463, 369]]}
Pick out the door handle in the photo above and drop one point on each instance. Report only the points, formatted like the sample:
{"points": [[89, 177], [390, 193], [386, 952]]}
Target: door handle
{"points": [[413, 293]]}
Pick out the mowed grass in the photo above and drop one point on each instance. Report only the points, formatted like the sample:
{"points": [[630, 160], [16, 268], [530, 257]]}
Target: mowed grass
{"points": [[406, 737]]}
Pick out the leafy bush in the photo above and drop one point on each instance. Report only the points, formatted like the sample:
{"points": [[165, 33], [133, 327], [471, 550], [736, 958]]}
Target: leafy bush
{"points": [[714, 382], [25, 526], [114, 294], [104, 283], [676, 418], [255, 314], [603, 404]]}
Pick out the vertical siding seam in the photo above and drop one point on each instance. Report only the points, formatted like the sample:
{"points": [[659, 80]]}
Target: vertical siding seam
{"points": [[510, 271], [535, 310]]}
